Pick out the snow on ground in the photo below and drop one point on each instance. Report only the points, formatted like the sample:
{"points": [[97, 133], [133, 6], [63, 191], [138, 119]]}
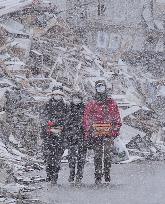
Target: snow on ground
{"points": [[133, 183]]}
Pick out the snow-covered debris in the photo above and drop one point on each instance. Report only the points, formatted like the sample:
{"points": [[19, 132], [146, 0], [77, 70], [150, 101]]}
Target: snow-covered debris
{"points": [[9, 6], [148, 16], [127, 133], [2, 96], [54, 55], [2, 116], [161, 91], [13, 140], [121, 150], [14, 27], [144, 147], [14, 182], [57, 59], [4, 83], [15, 62], [20, 47]]}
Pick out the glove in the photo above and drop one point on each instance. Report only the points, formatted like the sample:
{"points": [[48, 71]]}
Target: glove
{"points": [[50, 123], [116, 128]]}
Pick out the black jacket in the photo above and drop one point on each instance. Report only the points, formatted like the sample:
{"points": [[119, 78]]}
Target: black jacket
{"points": [[56, 111], [74, 123]]}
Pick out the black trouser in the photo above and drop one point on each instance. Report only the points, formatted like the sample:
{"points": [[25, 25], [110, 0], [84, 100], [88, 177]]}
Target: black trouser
{"points": [[54, 150], [77, 156], [102, 154]]}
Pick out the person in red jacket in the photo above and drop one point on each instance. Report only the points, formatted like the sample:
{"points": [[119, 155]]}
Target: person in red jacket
{"points": [[102, 124]]}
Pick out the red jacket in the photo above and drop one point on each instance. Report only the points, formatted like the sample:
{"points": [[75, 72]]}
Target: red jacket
{"points": [[99, 112]]}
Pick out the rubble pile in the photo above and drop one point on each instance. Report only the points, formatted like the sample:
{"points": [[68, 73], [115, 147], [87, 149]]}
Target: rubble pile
{"points": [[14, 183], [32, 63], [38, 50]]}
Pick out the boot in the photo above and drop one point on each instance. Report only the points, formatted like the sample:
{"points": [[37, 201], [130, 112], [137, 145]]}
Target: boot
{"points": [[48, 179], [72, 175], [107, 178], [71, 179], [54, 179], [78, 181], [98, 179]]}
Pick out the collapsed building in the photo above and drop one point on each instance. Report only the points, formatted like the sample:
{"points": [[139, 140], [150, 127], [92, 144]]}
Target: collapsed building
{"points": [[39, 50]]}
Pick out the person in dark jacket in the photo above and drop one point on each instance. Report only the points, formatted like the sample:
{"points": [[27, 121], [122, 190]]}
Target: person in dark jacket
{"points": [[75, 138], [55, 113]]}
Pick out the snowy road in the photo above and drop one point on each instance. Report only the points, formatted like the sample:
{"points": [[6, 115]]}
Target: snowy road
{"points": [[142, 183]]}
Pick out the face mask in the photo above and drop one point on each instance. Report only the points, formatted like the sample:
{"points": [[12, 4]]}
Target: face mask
{"points": [[76, 101], [101, 89], [57, 97]]}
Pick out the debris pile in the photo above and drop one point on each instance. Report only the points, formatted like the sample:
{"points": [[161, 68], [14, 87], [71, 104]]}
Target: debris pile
{"points": [[14, 165], [34, 58], [40, 51]]}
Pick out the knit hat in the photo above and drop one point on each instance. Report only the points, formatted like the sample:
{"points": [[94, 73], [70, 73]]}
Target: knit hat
{"points": [[100, 82], [100, 95]]}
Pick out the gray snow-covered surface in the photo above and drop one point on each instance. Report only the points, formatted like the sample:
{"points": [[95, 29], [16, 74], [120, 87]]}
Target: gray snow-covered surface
{"points": [[132, 183]]}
